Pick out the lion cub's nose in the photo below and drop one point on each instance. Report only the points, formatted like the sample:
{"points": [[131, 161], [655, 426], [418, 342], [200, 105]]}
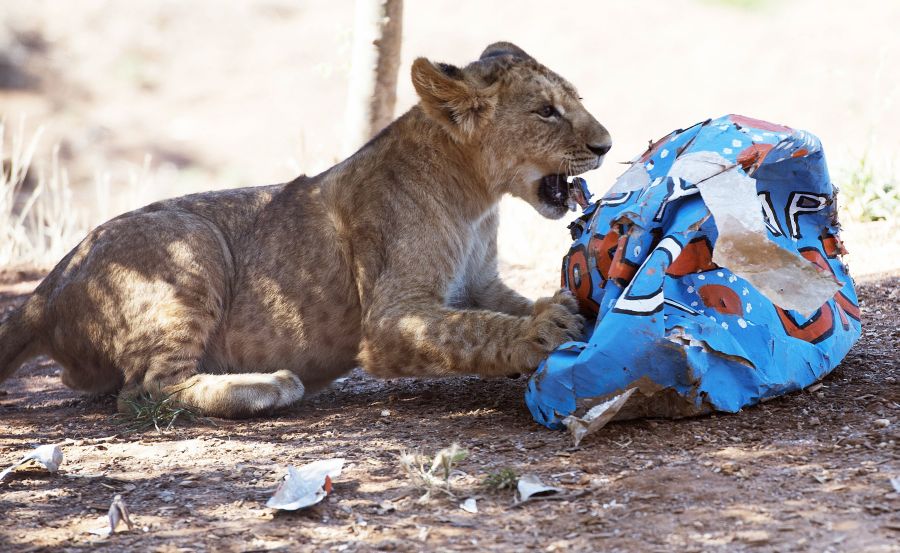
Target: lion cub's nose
{"points": [[599, 149]]}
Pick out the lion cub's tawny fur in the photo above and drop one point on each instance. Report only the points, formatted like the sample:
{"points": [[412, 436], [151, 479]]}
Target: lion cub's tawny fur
{"points": [[237, 301]]}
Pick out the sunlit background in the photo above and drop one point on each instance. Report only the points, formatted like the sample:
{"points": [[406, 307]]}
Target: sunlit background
{"points": [[153, 98]]}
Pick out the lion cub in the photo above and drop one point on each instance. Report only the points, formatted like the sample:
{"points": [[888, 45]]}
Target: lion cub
{"points": [[237, 301]]}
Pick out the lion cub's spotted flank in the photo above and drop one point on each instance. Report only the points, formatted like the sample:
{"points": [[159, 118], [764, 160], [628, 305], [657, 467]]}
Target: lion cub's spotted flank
{"points": [[237, 301]]}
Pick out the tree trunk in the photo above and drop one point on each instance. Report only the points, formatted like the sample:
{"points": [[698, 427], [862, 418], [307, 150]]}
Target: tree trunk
{"points": [[372, 93]]}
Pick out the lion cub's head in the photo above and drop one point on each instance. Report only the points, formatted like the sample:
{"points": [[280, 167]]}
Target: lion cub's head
{"points": [[528, 121]]}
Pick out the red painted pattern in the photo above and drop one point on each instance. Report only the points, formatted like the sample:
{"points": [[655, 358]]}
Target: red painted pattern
{"points": [[759, 124], [581, 286], [600, 248], [696, 257], [833, 246], [721, 298], [752, 156]]}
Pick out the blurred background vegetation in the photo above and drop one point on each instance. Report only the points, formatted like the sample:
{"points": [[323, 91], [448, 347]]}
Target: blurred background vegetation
{"points": [[143, 99]]}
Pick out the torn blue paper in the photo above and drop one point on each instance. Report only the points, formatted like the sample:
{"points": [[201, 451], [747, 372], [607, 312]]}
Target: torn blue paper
{"points": [[712, 271]]}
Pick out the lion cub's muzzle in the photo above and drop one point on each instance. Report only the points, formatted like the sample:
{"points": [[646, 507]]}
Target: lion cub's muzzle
{"points": [[562, 195]]}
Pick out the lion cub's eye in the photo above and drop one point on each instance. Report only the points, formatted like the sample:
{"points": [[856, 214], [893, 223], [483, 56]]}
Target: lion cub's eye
{"points": [[547, 111]]}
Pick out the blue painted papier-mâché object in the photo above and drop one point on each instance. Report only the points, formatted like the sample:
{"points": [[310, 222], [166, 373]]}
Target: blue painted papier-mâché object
{"points": [[711, 276]]}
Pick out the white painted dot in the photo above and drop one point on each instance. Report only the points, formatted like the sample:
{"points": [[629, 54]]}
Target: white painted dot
{"points": [[768, 134], [663, 153], [720, 274], [637, 251], [724, 127], [701, 277], [744, 292], [724, 325], [726, 150], [742, 323], [736, 143], [749, 308], [694, 304], [690, 289], [732, 278], [649, 165], [757, 138], [713, 318]]}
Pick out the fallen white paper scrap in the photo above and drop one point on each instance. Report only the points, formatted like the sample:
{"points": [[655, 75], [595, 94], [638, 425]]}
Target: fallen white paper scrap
{"points": [[530, 485], [118, 512], [597, 416], [787, 279], [50, 456], [469, 506], [306, 485]]}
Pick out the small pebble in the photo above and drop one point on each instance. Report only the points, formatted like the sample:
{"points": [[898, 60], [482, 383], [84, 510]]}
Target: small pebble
{"points": [[814, 421], [385, 413], [882, 423]]}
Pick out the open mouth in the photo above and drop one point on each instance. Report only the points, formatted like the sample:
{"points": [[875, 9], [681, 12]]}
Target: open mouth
{"points": [[561, 194]]}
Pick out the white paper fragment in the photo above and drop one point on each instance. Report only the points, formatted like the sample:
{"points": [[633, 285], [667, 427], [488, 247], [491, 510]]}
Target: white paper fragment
{"points": [[696, 167], [118, 512], [530, 485], [786, 278], [50, 456], [597, 416], [634, 178], [469, 506], [102, 530], [895, 482], [306, 485]]}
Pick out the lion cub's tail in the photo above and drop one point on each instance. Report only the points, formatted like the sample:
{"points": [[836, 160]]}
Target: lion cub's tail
{"points": [[18, 337]]}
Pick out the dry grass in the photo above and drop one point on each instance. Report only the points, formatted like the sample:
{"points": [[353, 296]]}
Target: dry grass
{"points": [[40, 221], [159, 412], [40, 225], [433, 475], [501, 479]]}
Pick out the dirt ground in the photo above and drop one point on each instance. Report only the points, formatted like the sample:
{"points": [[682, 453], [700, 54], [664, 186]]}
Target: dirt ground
{"points": [[806, 472]]}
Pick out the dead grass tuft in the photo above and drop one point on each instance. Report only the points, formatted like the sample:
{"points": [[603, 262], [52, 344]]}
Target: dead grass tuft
{"points": [[160, 412], [437, 477], [503, 479]]}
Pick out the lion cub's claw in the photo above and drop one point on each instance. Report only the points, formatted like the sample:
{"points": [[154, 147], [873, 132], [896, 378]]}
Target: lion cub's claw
{"points": [[563, 297], [554, 321]]}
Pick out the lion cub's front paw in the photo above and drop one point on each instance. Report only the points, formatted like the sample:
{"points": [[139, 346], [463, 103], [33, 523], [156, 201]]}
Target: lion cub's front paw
{"points": [[555, 320], [562, 297]]}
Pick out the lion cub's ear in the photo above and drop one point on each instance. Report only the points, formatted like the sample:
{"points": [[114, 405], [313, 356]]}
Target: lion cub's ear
{"points": [[499, 49], [448, 97]]}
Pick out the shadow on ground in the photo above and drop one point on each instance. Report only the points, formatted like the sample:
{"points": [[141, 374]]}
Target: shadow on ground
{"points": [[810, 471]]}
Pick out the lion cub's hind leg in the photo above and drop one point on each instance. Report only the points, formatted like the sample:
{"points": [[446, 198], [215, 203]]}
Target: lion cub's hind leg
{"points": [[134, 306], [227, 395]]}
